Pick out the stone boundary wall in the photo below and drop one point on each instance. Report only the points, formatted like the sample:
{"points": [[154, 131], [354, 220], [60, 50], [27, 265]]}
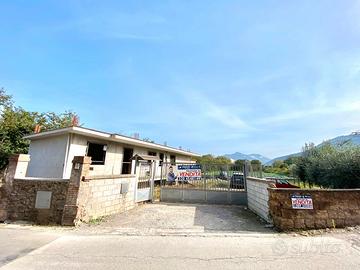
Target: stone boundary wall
{"points": [[23, 196], [104, 195], [258, 196], [332, 208]]}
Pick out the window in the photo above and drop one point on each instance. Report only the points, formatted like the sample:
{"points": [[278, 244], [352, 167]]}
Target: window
{"points": [[97, 152], [126, 164], [152, 154], [173, 160], [161, 159]]}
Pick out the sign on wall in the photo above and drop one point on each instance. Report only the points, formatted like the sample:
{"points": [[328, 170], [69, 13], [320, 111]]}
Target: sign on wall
{"points": [[302, 202], [189, 172], [43, 199]]}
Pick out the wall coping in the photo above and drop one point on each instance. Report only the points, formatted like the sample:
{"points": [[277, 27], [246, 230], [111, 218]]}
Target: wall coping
{"points": [[19, 158], [312, 190], [111, 176], [261, 180], [42, 179]]}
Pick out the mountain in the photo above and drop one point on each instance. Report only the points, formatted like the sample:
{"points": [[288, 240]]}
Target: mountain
{"points": [[238, 155], [353, 138]]}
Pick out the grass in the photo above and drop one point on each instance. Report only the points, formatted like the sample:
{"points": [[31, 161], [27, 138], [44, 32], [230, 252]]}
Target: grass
{"points": [[96, 221]]}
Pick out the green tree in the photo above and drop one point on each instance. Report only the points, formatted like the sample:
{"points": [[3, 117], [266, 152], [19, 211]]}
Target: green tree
{"points": [[5, 100], [240, 163], [16, 122], [256, 165], [330, 166]]}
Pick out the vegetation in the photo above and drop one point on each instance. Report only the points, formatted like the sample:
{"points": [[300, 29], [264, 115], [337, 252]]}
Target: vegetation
{"points": [[16, 122], [329, 166], [210, 159]]}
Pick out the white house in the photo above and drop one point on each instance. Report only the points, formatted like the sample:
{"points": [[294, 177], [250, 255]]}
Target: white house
{"points": [[52, 152]]}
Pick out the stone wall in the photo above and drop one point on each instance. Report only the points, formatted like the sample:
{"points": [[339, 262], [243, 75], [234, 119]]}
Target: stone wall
{"points": [[331, 208], [61, 201], [258, 196], [23, 196]]}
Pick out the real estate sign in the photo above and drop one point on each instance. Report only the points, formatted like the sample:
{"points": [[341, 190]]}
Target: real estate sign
{"points": [[189, 172], [301, 202]]}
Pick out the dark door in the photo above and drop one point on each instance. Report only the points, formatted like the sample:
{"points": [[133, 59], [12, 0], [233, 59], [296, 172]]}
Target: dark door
{"points": [[126, 164]]}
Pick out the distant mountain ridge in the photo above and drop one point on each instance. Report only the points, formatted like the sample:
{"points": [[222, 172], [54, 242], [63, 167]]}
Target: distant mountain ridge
{"points": [[238, 155], [353, 138]]}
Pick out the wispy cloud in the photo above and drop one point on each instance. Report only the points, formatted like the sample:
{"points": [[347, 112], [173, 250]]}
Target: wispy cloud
{"points": [[111, 24], [214, 111]]}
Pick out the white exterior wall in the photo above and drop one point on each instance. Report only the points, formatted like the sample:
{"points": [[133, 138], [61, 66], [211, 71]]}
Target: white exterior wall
{"points": [[114, 156], [47, 157], [258, 196]]}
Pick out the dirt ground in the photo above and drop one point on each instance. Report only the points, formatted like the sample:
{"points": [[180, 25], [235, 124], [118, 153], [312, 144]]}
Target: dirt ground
{"points": [[165, 218]]}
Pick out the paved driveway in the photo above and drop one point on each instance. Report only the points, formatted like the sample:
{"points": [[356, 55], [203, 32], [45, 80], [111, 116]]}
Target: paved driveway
{"points": [[169, 218]]}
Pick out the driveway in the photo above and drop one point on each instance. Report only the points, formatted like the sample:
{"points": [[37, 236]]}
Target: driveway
{"points": [[171, 218]]}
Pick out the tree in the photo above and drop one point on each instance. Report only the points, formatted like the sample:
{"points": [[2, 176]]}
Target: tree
{"points": [[240, 163], [5, 100], [330, 166], [256, 165], [16, 122]]}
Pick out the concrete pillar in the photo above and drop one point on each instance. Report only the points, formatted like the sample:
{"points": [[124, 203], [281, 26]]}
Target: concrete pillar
{"points": [[79, 172], [17, 168]]}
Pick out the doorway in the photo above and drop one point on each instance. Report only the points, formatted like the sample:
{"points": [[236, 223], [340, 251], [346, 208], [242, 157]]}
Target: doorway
{"points": [[126, 164]]}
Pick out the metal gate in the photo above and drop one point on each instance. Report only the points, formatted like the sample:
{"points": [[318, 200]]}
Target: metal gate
{"points": [[145, 181], [203, 183]]}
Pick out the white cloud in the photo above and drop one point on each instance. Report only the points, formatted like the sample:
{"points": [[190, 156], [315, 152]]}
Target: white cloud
{"points": [[218, 113]]}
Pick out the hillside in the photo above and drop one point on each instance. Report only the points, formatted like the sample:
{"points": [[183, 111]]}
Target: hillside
{"points": [[353, 138]]}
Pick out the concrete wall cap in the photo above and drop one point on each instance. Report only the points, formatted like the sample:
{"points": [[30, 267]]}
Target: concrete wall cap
{"points": [[82, 160], [20, 157]]}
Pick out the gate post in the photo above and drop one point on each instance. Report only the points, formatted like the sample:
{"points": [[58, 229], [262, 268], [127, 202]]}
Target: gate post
{"points": [[72, 212], [152, 179], [245, 176], [229, 184]]}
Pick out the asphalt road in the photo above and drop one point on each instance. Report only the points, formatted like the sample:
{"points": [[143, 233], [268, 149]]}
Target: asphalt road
{"points": [[46, 249], [16, 241]]}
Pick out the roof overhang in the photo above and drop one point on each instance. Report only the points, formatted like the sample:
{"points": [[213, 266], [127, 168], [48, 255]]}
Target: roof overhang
{"points": [[108, 137]]}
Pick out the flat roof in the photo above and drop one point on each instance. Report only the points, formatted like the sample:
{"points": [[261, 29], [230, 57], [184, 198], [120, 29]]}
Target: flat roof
{"points": [[108, 137]]}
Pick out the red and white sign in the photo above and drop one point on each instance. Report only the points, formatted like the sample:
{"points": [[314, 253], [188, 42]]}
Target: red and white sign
{"points": [[302, 202]]}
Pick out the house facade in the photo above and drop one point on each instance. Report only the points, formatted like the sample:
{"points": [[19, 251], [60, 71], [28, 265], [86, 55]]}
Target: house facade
{"points": [[52, 152]]}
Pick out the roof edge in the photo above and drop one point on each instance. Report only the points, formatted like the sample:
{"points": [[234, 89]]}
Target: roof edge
{"points": [[107, 136]]}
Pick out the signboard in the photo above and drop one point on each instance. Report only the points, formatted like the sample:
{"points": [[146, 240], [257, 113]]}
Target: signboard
{"points": [[189, 172], [301, 202], [43, 199]]}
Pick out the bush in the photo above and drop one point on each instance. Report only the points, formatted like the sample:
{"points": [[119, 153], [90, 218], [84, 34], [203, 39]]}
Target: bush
{"points": [[330, 166]]}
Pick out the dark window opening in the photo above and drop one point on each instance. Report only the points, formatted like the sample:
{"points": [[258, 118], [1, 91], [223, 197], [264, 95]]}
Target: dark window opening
{"points": [[152, 154], [97, 152], [126, 164], [173, 160], [161, 156]]}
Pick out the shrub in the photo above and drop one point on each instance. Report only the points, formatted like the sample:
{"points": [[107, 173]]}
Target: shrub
{"points": [[330, 166]]}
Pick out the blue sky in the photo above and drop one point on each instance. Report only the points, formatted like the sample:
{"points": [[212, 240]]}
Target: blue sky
{"points": [[211, 76]]}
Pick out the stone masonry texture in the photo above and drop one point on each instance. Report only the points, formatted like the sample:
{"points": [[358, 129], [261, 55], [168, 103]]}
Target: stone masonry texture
{"points": [[23, 196], [332, 208]]}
